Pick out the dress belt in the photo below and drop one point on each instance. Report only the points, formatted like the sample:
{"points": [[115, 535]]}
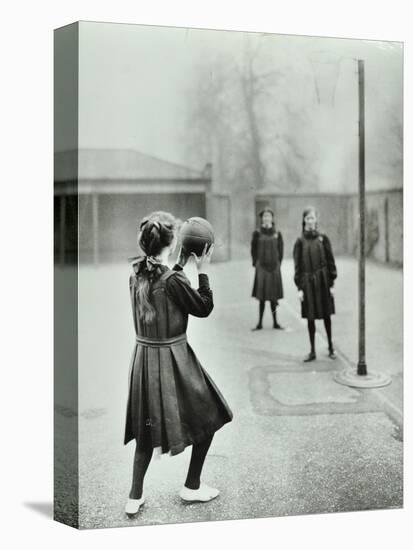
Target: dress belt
{"points": [[161, 342]]}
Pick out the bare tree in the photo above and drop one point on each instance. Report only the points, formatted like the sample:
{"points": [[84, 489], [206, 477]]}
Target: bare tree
{"points": [[242, 117], [249, 86]]}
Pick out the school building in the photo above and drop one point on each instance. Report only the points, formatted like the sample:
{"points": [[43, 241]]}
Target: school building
{"points": [[102, 195]]}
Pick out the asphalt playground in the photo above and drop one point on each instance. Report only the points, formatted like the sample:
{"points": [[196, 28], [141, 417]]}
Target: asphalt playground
{"points": [[299, 443]]}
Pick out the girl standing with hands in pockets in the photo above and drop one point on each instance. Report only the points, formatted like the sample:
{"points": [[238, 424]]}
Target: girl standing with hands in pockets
{"points": [[172, 401], [315, 273]]}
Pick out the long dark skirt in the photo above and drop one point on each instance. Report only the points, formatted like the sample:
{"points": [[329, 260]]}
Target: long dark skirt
{"points": [[172, 401], [318, 302], [267, 284]]}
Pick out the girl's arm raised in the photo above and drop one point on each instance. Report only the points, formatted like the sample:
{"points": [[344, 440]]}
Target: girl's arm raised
{"points": [[194, 302]]}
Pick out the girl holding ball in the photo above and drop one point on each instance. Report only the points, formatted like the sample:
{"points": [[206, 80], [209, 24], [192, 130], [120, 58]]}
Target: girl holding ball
{"points": [[172, 401], [315, 273]]}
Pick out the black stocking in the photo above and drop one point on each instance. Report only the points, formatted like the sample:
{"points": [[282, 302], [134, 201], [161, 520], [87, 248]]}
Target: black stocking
{"points": [[311, 332], [261, 311], [140, 465], [327, 324], [274, 312], [199, 452]]}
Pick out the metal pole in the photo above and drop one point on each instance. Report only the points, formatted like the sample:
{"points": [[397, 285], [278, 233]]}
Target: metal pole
{"points": [[361, 365], [95, 221], [348, 377], [62, 229], [386, 228]]}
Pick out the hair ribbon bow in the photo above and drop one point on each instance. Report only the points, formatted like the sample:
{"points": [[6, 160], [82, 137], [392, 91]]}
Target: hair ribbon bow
{"points": [[140, 263]]}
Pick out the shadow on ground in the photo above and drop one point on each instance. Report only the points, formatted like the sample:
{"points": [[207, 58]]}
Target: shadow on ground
{"points": [[43, 508]]}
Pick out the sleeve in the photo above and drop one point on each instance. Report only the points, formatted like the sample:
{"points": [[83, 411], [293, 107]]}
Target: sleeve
{"points": [[331, 264], [254, 247], [280, 247], [194, 302], [297, 255]]}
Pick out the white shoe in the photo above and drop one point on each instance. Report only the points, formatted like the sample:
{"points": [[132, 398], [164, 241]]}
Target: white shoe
{"points": [[133, 505], [203, 494]]}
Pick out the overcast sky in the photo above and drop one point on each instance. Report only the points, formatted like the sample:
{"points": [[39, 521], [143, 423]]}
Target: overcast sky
{"points": [[134, 80]]}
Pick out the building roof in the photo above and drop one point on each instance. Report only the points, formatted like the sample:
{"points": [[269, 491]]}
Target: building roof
{"points": [[118, 164]]}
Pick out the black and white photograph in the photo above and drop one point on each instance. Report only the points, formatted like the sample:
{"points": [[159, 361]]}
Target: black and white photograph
{"points": [[228, 264]]}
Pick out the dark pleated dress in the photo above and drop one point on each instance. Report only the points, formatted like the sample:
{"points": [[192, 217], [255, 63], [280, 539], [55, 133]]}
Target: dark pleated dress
{"points": [[315, 273], [267, 250], [172, 401]]}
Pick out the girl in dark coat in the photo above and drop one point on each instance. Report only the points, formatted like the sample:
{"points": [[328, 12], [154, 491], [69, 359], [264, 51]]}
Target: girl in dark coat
{"points": [[315, 273], [267, 249], [172, 401]]}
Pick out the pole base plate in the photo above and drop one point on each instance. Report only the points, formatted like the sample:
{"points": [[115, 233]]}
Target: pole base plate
{"points": [[349, 377]]}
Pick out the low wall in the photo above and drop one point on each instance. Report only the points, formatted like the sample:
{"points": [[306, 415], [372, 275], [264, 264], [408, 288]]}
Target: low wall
{"points": [[384, 226], [338, 218]]}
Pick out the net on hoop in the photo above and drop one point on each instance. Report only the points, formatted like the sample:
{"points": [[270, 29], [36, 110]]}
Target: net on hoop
{"points": [[326, 69]]}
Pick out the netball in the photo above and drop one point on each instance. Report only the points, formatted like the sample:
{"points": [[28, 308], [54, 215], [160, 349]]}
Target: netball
{"points": [[195, 234]]}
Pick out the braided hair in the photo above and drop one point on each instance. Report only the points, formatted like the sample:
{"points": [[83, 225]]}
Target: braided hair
{"points": [[156, 232]]}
